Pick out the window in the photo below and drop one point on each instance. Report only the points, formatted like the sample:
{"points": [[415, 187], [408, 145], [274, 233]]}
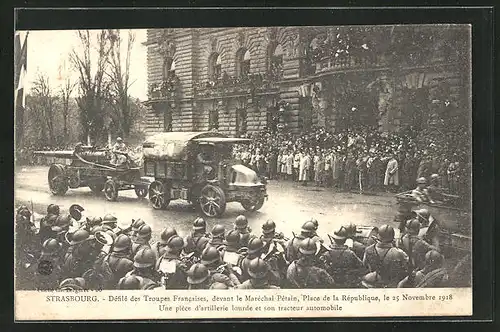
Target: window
{"points": [[276, 62], [243, 63], [215, 66], [167, 120], [241, 121], [213, 119], [168, 68]]}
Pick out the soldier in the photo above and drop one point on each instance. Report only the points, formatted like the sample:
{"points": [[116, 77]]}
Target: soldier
{"points": [[413, 246], [341, 262], [241, 225], [275, 246], [315, 235], [217, 237], [259, 273], [48, 269], [135, 226], [199, 232], [160, 246], [302, 273], [110, 222], [420, 193], [292, 249], [386, 263], [232, 241], [75, 261], [427, 220], [256, 249], [357, 247], [142, 239], [118, 149], [144, 270], [432, 275], [171, 266], [48, 222], [220, 271], [434, 190], [119, 259], [27, 244], [198, 277], [93, 224], [99, 274]]}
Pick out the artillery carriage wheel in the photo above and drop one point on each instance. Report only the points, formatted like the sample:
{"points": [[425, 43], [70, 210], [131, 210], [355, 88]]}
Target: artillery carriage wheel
{"points": [[253, 206], [159, 195], [58, 183], [111, 190], [141, 191], [212, 201]]}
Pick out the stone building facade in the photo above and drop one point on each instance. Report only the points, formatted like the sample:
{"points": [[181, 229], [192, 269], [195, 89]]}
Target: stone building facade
{"points": [[242, 80]]}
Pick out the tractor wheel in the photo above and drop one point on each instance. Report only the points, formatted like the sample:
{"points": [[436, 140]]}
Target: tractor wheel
{"points": [[58, 183], [159, 195], [212, 201], [141, 191], [253, 206], [96, 187], [111, 190]]}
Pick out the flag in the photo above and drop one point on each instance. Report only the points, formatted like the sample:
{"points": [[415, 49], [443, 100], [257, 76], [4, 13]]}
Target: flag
{"points": [[21, 65]]}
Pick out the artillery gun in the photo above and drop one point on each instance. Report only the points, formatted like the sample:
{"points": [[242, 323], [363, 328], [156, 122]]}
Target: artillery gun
{"points": [[87, 166]]}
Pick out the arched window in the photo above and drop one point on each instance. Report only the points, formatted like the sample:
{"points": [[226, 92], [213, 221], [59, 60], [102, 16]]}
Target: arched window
{"points": [[243, 62], [215, 66], [276, 62]]}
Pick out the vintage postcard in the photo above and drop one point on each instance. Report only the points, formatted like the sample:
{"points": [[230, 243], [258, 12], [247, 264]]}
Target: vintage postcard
{"points": [[243, 172]]}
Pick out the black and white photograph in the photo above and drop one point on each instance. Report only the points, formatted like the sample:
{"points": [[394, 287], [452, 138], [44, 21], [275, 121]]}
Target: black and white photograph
{"points": [[287, 158]]}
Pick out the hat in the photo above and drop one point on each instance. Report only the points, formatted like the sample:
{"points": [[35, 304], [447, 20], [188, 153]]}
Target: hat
{"points": [[341, 234], [103, 238], [197, 274]]}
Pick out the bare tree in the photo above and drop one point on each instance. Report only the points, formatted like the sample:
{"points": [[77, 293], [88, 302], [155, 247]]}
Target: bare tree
{"points": [[65, 93], [119, 74], [92, 82], [44, 106]]}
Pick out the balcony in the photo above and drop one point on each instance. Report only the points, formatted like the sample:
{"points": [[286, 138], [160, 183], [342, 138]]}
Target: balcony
{"points": [[164, 90], [228, 86]]}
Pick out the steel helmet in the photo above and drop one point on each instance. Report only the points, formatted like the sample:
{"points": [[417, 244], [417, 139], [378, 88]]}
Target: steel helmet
{"points": [[218, 285], [232, 237], [144, 258], [308, 227], [241, 221], [413, 226], [75, 211], [175, 244], [136, 224], [268, 227], [315, 223], [386, 234], [72, 284], [199, 224], [79, 236], [255, 245], [197, 274], [421, 180], [258, 268], [434, 176], [50, 246], [109, 219], [144, 231], [341, 234], [53, 209], [129, 282], [95, 221], [210, 255], [218, 230], [202, 244], [167, 234], [64, 221], [433, 258], [122, 242], [308, 247]]}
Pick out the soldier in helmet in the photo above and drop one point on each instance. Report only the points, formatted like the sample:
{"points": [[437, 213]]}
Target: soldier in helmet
{"points": [[232, 241], [269, 234], [259, 275], [165, 236], [199, 232], [427, 220], [315, 233], [99, 274], [144, 270], [110, 222], [27, 243], [308, 231], [217, 237], [341, 262], [48, 271], [75, 261], [241, 225], [119, 259], [219, 271], [48, 222], [434, 189], [256, 249], [130, 283], [198, 277], [302, 272], [142, 239], [275, 245], [387, 264], [432, 275], [413, 246], [171, 266], [420, 193], [357, 247]]}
